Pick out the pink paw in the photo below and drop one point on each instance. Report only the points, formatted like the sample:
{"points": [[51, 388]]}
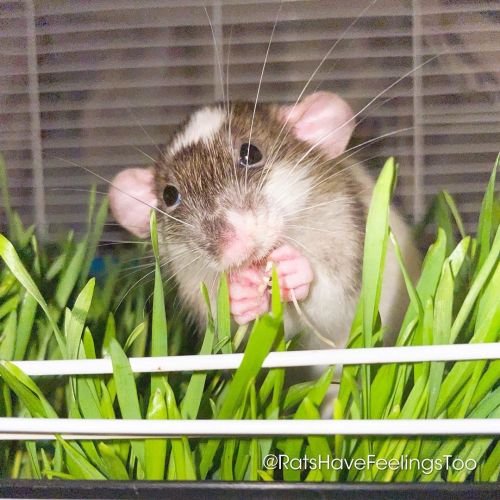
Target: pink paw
{"points": [[294, 272], [248, 295]]}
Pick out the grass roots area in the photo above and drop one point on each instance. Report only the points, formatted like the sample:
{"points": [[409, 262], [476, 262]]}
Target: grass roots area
{"points": [[54, 305]]}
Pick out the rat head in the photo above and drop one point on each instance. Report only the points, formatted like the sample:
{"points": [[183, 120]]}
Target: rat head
{"points": [[231, 178]]}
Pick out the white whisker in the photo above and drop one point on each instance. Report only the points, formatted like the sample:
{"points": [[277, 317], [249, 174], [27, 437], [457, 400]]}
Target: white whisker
{"points": [[318, 67], [122, 191], [380, 94], [260, 84]]}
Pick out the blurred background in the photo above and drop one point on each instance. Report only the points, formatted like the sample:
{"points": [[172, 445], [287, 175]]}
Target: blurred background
{"points": [[100, 83]]}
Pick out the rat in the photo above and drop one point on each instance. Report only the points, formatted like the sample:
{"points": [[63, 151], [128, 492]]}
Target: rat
{"points": [[242, 185]]}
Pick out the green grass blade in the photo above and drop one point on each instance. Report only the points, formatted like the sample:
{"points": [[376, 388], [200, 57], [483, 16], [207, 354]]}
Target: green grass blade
{"points": [[454, 212], [109, 333], [486, 227], [26, 390], [155, 450], [443, 311], [489, 264], [33, 457], [70, 275], [412, 292], [491, 467], [126, 391], [190, 404], [78, 315], [8, 337], [373, 264], [115, 468], [9, 306], [25, 325], [223, 316], [13, 262], [81, 465], [375, 246], [94, 235], [181, 453], [260, 342], [136, 332], [159, 338]]}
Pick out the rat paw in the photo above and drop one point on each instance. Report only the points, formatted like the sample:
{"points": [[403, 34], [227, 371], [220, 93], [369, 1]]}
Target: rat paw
{"points": [[248, 295], [294, 272]]}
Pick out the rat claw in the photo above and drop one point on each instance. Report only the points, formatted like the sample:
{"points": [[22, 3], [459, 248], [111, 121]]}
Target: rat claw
{"points": [[269, 267]]}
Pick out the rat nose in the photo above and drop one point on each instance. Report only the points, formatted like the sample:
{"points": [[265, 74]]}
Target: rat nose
{"points": [[240, 236]]}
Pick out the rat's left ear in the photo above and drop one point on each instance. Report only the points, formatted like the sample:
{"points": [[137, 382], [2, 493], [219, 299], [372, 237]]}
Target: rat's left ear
{"points": [[322, 118], [131, 197]]}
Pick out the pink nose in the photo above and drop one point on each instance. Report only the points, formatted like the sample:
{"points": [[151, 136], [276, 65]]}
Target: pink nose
{"points": [[239, 242]]}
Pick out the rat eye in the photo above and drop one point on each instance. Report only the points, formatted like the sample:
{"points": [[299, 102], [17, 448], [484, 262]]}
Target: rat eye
{"points": [[250, 155], [171, 196]]}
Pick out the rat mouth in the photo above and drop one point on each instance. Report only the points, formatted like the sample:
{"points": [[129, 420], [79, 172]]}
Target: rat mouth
{"points": [[257, 258]]}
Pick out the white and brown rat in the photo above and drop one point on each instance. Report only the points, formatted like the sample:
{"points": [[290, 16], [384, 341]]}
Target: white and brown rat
{"points": [[239, 186]]}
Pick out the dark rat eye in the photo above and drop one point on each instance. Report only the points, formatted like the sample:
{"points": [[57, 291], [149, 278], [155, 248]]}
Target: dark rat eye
{"points": [[171, 196], [250, 155]]}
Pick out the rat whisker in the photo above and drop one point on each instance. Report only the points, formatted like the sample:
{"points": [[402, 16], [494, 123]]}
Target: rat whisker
{"points": [[260, 82], [267, 167], [230, 113], [334, 200], [122, 191], [145, 154], [216, 53], [78, 190], [293, 240], [133, 242], [212, 286], [182, 268], [132, 287], [131, 270], [318, 67], [125, 262], [228, 67], [139, 281], [119, 225], [302, 226], [393, 84], [355, 150], [139, 124], [328, 175]]}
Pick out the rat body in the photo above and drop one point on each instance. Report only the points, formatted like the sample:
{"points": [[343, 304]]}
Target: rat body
{"points": [[240, 186]]}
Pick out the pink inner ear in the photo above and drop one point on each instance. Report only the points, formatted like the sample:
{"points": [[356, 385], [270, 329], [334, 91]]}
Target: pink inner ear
{"points": [[323, 119], [131, 197]]}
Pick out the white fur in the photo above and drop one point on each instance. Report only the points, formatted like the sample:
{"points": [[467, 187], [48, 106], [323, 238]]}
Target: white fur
{"points": [[202, 126], [285, 190]]}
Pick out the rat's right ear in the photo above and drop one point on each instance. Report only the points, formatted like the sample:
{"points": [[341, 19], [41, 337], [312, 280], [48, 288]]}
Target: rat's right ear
{"points": [[131, 197], [323, 120]]}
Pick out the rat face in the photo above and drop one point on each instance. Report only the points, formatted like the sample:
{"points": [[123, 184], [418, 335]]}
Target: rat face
{"points": [[229, 184], [232, 180]]}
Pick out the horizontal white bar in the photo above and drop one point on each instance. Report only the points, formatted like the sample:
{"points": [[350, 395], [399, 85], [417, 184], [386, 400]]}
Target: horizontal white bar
{"points": [[46, 428], [198, 362]]}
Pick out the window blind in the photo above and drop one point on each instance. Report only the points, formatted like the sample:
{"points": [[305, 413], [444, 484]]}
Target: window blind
{"points": [[102, 83]]}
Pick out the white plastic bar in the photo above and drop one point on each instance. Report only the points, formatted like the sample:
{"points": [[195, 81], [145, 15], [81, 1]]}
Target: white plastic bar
{"points": [[325, 357], [47, 428]]}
